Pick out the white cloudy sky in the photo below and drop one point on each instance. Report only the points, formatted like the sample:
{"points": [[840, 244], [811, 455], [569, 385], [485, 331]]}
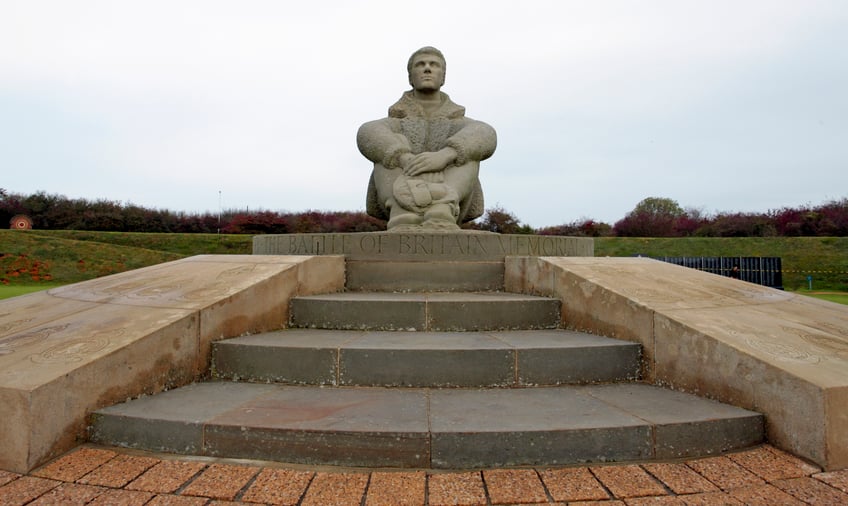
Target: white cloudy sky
{"points": [[723, 105]]}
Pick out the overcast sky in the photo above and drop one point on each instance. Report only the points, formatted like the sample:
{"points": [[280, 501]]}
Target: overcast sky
{"points": [[196, 105]]}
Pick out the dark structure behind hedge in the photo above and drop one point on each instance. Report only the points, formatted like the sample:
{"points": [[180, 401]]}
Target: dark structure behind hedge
{"points": [[766, 271]]}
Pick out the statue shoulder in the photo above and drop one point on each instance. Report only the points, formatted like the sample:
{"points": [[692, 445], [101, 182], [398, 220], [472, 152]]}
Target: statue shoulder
{"points": [[405, 107], [451, 109], [409, 107]]}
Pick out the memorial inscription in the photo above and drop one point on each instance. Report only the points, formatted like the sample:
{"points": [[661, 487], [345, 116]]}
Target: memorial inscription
{"points": [[471, 245]]}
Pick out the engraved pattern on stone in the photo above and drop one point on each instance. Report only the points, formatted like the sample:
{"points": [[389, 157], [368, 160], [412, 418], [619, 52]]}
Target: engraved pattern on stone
{"points": [[12, 325], [833, 329], [8, 344], [783, 352], [74, 350], [828, 344]]}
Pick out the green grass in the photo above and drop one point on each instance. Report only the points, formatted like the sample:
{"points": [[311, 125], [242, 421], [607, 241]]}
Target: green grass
{"points": [[823, 258], [839, 298], [15, 290], [67, 256], [180, 244], [31, 259]]}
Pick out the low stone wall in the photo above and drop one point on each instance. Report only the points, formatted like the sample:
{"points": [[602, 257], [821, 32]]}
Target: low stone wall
{"points": [[759, 348], [76, 348]]}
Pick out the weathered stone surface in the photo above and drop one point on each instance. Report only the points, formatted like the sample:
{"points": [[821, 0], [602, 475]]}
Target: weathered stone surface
{"points": [[79, 347], [425, 359], [448, 276], [417, 427], [440, 311], [351, 427], [782, 354]]}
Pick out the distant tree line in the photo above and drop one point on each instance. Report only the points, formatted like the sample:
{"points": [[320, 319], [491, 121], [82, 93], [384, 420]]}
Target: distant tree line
{"points": [[652, 217], [663, 217]]}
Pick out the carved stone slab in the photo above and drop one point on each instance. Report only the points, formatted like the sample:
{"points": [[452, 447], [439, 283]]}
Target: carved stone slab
{"points": [[458, 246]]}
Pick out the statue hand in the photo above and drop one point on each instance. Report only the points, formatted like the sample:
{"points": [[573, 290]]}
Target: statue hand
{"points": [[431, 161]]}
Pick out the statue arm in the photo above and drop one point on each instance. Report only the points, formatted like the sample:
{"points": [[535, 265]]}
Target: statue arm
{"points": [[381, 142], [475, 141]]}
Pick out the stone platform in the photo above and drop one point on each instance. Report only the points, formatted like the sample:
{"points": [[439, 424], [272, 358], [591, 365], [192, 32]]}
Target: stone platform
{"points": [[69, 351], [446, 261], [444, 428], [392, 395], [778, 353]]}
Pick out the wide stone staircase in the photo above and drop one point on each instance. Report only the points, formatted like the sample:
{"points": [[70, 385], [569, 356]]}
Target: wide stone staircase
{"points": [[379, 376]]}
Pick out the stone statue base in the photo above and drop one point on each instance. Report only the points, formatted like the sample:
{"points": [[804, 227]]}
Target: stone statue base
{"points": [[428, 202]]}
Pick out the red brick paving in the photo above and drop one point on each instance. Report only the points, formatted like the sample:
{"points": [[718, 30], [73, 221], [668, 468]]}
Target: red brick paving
{"points": [[98, 476], [812, 491], [221, 481], [336, 489], [514, 486], [662, 500], [680, 478], [178, 500], [69, 493], [771, 464], [25, 489], [456, 489], [836, 479], [573, 484], [117, 472], [397, 489], [611, 502], [628, 481], [166, 476], [75, 464], [279, 486], [763, 495], [711, 499], [119, 497], [6, 477], [725, 473]]}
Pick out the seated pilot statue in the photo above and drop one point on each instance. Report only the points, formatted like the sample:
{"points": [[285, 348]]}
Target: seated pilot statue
{"points": [[426, 155]]}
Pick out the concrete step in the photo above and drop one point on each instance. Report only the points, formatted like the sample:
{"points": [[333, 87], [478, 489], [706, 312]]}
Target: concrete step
{"points": [[428, 311], [429, 276], [428, 428], [426, 359]]}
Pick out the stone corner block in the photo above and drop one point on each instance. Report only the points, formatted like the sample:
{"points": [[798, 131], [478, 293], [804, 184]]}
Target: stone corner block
{"points": [[81, 347]]}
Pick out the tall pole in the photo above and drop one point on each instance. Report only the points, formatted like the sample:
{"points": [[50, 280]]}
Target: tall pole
{"points": [[220, 209]]}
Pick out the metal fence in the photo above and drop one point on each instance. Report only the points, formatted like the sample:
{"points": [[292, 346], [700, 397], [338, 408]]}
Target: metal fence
{"points": [[766, 271]]}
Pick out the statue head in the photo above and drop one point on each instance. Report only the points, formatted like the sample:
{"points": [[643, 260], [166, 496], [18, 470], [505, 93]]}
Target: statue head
{"points": [[432, 63]]}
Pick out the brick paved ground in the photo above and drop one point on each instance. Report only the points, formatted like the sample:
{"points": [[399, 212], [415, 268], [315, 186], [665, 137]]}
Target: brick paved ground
{"points": [[97, 475]]}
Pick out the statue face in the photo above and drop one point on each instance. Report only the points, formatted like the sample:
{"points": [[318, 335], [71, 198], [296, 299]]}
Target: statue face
{"points": [[427, 73]]}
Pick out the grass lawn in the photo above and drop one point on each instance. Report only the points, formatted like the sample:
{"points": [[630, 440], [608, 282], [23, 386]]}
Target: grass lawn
{"points": [[15, 290], [838, 297]]}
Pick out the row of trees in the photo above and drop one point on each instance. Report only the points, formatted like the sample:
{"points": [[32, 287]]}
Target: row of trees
{"points": [[652, 217], [663, 217]]}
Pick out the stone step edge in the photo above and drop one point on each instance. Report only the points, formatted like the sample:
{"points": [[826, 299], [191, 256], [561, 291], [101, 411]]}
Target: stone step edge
{"points": [[423, 276], [425, 296], [426, 359], [424, 311], [350, 427]]}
